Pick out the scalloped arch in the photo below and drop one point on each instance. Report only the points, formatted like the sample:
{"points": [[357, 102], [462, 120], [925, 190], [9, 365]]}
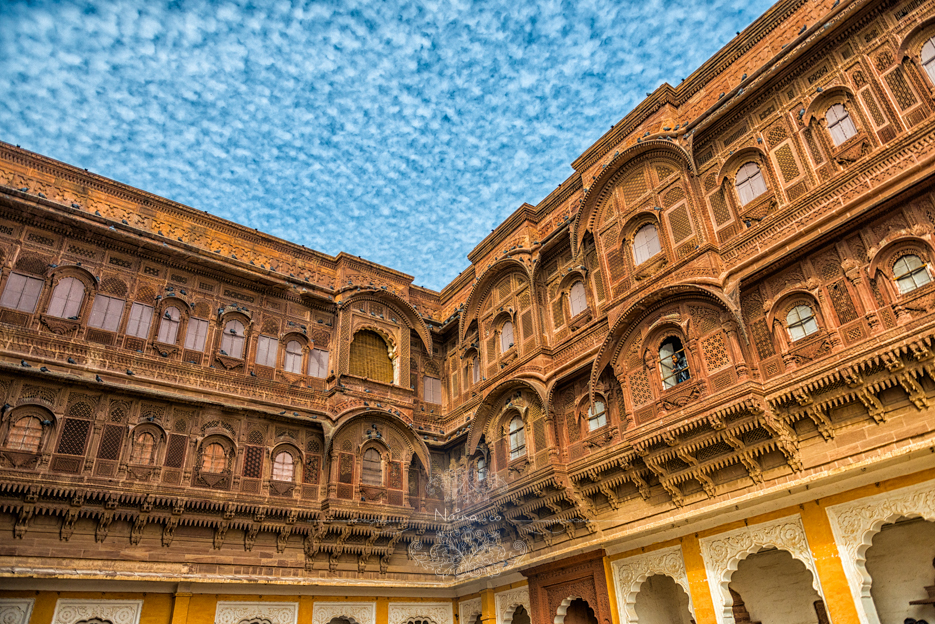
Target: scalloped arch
{"points": [[584, 220], [356, 414], [740, 157]]}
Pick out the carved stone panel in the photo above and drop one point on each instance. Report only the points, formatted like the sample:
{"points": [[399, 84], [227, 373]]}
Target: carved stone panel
{"points": [[114, 611], [355, 612], [855, 523], [435, 612], [16, 610], [273, 612], [630, 573], [507, 602], [723, 552], [468, 610]]}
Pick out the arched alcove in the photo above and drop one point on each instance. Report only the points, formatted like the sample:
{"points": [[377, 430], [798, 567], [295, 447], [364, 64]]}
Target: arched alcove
{"points": [[775, 588], [662, 601], [520, 616], [900, 564], [575, 611]]}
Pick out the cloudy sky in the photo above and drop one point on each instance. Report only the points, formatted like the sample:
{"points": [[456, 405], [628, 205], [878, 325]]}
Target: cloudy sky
{"points": [[402, 132]]}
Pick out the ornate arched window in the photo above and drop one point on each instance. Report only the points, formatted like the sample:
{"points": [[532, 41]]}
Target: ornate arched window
{"points": [[645, 243], [475, 369], [283, 467], [928, 58], [517, 438], [169, 326], [233, 338], [800, 322], [840, 124], [749, 182], [481, 469], [25, 435], [578, 300], [292, 363], [144, 449], [371, 472], [597, 416], [506, 337], [66, 298], [214, 459], [673, 365], [910, 273]]}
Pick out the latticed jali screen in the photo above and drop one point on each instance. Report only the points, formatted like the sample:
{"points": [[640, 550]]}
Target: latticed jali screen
{"points": [[370, 357]]}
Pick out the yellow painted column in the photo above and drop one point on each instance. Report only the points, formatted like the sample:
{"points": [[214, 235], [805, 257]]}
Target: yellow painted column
{"points": [[44, 608], [157, 609], [383, 610], [611, 591], [180, 607], [698, 581], [306, 606], [488, 607], [202, 608], [838, 600]]}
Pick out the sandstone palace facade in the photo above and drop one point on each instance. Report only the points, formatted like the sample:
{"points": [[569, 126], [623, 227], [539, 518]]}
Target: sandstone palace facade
{"points": [[696, 383]]}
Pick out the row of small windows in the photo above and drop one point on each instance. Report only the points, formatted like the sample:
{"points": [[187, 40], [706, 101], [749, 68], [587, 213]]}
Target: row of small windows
{"points": [[22, 293]]}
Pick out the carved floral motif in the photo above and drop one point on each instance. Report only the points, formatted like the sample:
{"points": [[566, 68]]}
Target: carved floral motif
{"points": [[508, 601], [272, 612], [435, 612], [356, 612], [630, 573], [114, 611]]}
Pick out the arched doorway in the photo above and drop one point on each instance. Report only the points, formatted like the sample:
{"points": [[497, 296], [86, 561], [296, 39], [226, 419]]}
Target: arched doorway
{"points": [[520, 616], [575, 611], [900, 564], [772, 587], [662, 601]]}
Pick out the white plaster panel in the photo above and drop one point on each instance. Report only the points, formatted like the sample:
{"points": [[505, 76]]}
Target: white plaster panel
{"points": [[722, 553], [16, 610], [630, 573], [506, 603], [273, 612], [855, 523], [356, 612], [115, 611], [436, 612], [467, 610]]}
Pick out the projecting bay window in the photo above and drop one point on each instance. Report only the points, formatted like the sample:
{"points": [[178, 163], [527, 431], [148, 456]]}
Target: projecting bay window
{"points": [[169, 326], [232, 340]]}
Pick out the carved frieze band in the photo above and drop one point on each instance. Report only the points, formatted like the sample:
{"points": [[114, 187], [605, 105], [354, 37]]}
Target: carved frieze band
{"points": [[723, 552], [855, 523], [113, 611], [16, 610], [630, 573], [468, 610], [356, 612], [434, 612], [506, 603], [243, 612]]}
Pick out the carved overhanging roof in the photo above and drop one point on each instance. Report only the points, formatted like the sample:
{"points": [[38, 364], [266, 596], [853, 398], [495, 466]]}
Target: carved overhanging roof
{"points": [[408, 312], [599, 188]]}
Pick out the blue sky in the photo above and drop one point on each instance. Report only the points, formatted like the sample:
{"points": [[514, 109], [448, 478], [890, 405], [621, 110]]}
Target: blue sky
{"points": [[401, 132]]}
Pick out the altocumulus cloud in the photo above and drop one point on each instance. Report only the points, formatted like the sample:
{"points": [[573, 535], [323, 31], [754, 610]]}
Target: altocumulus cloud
{"points": [[398, 131]]}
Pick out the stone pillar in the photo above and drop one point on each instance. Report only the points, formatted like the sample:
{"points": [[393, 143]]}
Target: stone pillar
{"points": [[488, 607], [181, 600], [838, 599], [698, 581], [611, 591]]}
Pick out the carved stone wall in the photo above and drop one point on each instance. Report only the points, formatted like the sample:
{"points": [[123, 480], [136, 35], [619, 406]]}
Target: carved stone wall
{"points": [[356, 612], [273, 612], [723, 552], [470, 609], [507, 602], [16, 610], [435, 612], [855, 523], [114, 611], [630, 573]]}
